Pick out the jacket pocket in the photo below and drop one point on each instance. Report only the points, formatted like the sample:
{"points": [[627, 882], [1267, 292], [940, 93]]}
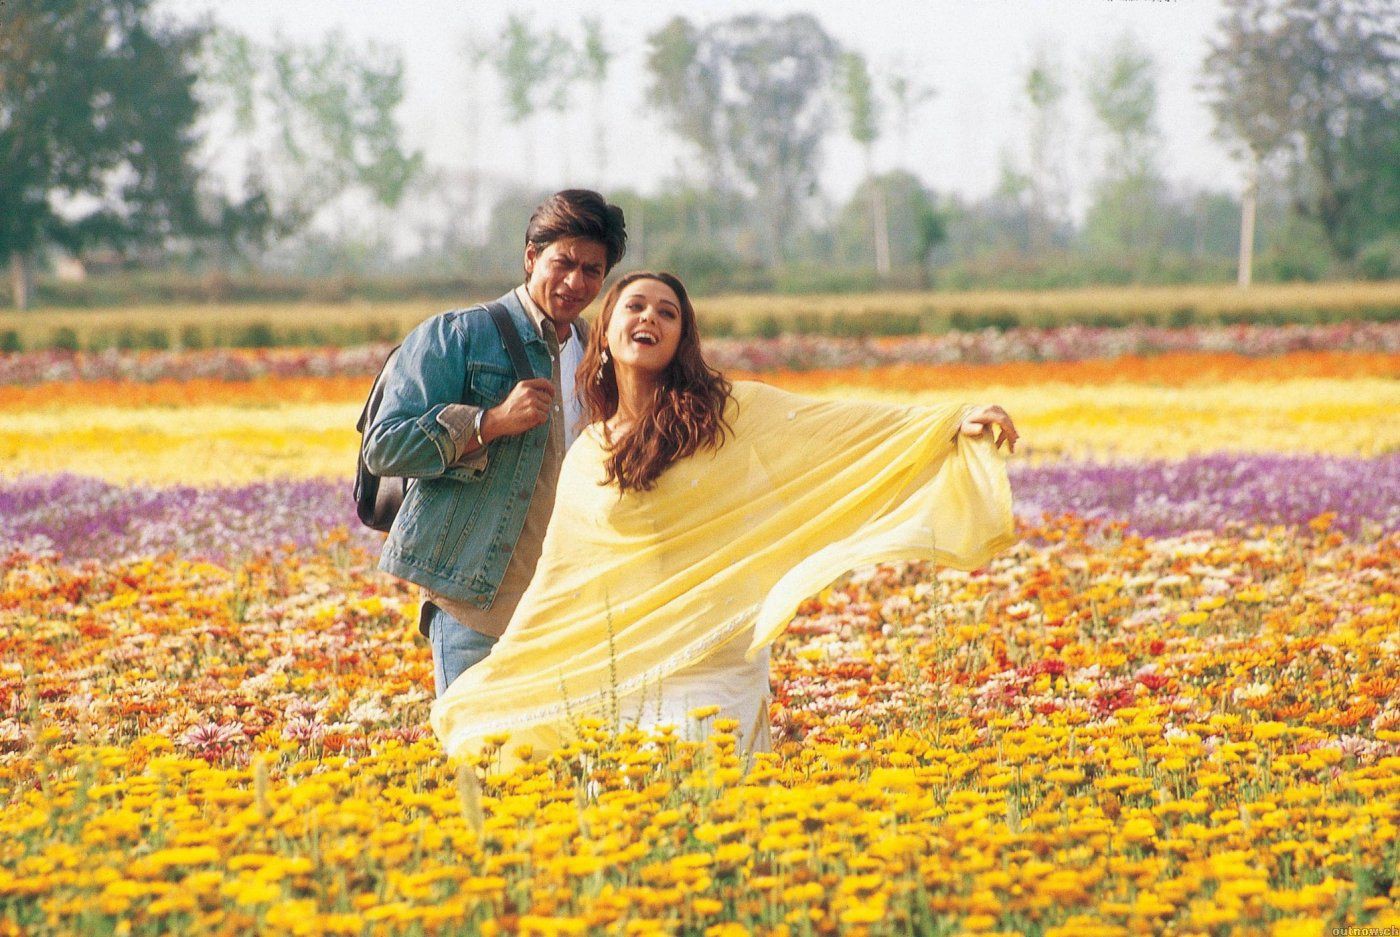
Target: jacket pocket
{"points": [[488, 384]]}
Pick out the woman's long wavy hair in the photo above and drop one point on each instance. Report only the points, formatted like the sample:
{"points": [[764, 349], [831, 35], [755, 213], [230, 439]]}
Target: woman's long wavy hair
{"points": [[685, 416]]}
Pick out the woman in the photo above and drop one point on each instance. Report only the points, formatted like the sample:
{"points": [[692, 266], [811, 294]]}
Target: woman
{"points": [[693, 517]]}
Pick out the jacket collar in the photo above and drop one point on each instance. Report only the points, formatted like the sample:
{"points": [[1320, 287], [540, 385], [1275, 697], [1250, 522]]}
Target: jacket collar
{"points": [[520, 318], [540, 322]]}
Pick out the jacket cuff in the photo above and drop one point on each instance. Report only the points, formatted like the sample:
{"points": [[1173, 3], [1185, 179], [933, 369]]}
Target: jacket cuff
{"points": [[459, 419]]}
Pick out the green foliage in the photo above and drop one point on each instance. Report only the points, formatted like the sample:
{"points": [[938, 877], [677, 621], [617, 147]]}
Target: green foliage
{"points": [[1044, 87], [916, 227], [1122, 89], [1123, 93], [930, 227], [594, 59], [908, 95], [1380, 260], [596, 56], [1313, 85], [64, 339], [256, 335], [96, 104], [685, 88], [748, 92], [1298, 250], [858, 97], [318, 121], [1045, 90], [690, 231], [526, 62]]}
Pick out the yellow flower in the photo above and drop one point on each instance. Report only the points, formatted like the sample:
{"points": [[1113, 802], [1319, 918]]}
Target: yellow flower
{"points": [[1139, 830], [580, 866], [728, 929], [863, 913], [255, 893], [1064, 775]]}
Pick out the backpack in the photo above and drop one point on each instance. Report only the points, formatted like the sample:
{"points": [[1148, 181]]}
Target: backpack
{"points": [[377, 500]]}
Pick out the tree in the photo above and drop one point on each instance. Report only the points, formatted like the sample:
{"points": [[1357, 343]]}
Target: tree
{"points": [[314, 123], [908, 95], [477, 53], [1122, 91], [596, 58], [1013, 194], [96, 108], [916, 226], [1045, 92], [753, 91], [525, 61], [863, 121], [685, 86], [1316, 84], [931, 227]]}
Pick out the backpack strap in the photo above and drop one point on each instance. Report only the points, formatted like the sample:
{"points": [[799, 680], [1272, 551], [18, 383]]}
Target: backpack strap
{"points": [[511, 339]]}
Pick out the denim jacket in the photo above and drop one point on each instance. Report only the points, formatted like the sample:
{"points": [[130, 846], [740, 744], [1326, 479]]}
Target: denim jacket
{"points": [[458, 525]]}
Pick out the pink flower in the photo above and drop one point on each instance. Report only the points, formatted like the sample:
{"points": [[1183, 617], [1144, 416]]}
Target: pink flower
{"points": [[213, 735], [302, 729]]}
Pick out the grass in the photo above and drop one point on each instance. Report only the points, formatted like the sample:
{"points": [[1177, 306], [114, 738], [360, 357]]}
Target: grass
{"points": [[347, 323]]}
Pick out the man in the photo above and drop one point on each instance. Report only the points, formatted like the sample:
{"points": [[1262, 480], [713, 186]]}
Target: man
{"points": [[483, 449]]}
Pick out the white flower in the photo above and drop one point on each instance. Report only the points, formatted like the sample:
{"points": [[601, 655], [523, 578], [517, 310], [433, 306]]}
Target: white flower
{"points": [[1252, 691], [367, 712], [1021, 610]]}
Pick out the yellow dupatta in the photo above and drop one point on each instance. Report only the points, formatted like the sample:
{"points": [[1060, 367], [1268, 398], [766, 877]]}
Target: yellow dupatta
{"points": [[631, 588]]}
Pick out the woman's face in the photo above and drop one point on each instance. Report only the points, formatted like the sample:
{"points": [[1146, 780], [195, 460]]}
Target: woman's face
{"points": [[645, 328]]}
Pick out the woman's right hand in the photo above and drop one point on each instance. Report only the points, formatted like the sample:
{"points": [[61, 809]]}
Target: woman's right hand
{"points": [[991, 415]]}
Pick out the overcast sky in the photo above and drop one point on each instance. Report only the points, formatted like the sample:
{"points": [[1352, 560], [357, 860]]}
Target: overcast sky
{"points": [[975, 53]]}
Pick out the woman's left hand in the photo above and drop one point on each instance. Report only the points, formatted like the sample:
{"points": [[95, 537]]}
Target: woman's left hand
{"points": [[991, 415]]}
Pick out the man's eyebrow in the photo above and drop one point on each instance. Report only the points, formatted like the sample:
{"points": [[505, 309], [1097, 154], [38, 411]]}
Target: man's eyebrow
{"points": [[565, 255]]}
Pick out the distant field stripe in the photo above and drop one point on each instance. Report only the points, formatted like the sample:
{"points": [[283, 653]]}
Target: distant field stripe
{"points": [[1169, 370], [231, 440], [257, 391]]}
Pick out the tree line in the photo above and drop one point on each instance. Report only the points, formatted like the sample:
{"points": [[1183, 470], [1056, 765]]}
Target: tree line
{"points": [[111, 114]]}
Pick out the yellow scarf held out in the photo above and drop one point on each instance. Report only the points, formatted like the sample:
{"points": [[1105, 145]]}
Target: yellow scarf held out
{"points": [[631, 588]]}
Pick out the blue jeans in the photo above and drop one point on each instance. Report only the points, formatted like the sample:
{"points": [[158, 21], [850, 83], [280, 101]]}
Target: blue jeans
{"points": [[455, 647]]}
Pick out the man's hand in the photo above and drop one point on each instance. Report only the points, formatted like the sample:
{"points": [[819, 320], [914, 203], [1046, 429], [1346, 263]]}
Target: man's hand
{"points": [[526, 407], [991, 416]]}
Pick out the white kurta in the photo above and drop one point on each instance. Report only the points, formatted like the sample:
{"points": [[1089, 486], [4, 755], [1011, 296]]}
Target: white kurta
{"points": [[725, 679]]}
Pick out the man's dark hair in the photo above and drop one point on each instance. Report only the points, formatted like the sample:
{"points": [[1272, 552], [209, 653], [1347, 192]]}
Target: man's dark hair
{"points": [[579, 213]]}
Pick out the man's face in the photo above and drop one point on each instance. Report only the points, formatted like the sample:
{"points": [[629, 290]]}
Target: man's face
{"points": [[565, 276]]}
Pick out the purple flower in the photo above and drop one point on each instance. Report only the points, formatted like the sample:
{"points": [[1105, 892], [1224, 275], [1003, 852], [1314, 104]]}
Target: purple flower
{"points": [[85, 518], [1216, 492]]}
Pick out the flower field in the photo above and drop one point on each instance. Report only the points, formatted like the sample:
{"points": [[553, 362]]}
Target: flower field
{"points": [[1174, 707]]}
